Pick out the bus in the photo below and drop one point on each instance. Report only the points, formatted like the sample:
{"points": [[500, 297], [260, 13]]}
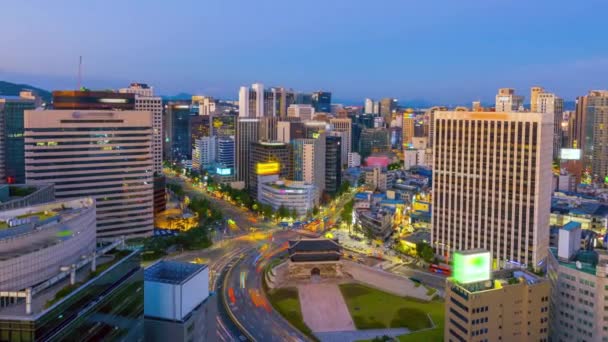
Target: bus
{"points": [[440, 269]]}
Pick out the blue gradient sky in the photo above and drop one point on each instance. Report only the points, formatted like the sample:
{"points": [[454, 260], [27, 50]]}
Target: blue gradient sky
{"points": [[444, 51]]}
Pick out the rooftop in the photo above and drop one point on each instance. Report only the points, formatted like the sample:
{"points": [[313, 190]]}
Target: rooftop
{"points": [[500, 279], [571, 225], [583, 260], [172, 272]]}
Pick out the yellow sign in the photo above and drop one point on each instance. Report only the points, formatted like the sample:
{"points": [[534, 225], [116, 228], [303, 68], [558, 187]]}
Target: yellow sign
{"points": [[269, 168], [420, 206]]}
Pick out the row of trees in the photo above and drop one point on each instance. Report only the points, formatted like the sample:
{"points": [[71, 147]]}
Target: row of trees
{"points": [[193, 239]]}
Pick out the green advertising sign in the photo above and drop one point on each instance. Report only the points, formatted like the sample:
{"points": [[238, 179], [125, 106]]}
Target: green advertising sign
{"points": [[470, 267]]}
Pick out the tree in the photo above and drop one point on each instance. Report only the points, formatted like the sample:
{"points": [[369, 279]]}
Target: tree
{"points": [[283, 212], [344, 187], [346, 215], [293, 213], [315, 210], [425, 251]]}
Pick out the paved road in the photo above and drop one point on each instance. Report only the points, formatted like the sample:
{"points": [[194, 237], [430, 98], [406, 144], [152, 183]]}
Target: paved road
{"points": [[250, 306]]}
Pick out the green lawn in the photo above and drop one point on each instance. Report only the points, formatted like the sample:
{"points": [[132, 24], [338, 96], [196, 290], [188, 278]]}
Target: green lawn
{"points": [[374, 309], [287, 303]]}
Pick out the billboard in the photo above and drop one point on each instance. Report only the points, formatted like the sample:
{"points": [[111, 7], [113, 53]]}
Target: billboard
{"points": [[223, 171], [472, 266], [270, 168], [570, 154]]}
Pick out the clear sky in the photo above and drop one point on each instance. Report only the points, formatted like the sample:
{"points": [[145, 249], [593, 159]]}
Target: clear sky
{"points": [[443, 51]]}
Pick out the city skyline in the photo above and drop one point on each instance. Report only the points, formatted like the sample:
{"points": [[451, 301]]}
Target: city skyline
{"points": [[416, 53]]}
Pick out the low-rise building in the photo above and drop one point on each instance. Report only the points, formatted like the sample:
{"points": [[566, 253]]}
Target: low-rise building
{"points": [[377, 222], [177, 302], [290, 194]]}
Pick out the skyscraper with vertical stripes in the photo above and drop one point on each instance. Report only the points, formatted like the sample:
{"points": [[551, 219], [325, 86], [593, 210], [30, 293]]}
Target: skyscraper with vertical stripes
{"points": [[492, 184]]}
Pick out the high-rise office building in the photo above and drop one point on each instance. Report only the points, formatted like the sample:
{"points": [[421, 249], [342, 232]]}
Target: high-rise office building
{"points": [[200, 126], [12, 162], [492, 184], [206, 105], [507, 305], [304, 98], [178, 144], [407, 129], [267, 152], [303, 112], [507, 101], [92, 100], [145, 100], [225, 155], [373, 140], [550, 104], [534, 92], [333, 164], [268, 128], [344, 139], [312, 129], [223, 125], [368, 107], [579, 281], [588, 132], [289, 130], [283, 99], [343, 125], [321, 101], [256, 101], [203, 154], [309, 161], [387, 106], [104, 154], [247, 132]]}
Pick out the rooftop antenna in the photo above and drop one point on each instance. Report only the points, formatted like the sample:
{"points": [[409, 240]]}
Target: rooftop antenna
{"points": [[80, 73]]}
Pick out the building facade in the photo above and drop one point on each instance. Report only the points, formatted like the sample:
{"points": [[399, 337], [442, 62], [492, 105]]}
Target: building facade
{"points": [[146, 101], [511, 306], [373, 140], [491, 184], [301, 111], [247, 132], [333, 164], [12, 162], [507, 101], [534, 92], [264, 152], [321, 101], [343, 125], [177, 131], [309, 161], [550, 104], [292, 195], [103, 154], [204, 153]]}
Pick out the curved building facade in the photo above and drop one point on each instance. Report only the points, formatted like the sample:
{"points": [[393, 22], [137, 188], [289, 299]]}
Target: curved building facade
{"points": [[292, 195], [38, 240]]}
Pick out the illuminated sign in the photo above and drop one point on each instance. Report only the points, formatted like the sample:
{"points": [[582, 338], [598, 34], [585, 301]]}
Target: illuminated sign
{"points": [[270, 168], [315, 135], [606, 179], [570, 154], [223, 171], [472, 266]]}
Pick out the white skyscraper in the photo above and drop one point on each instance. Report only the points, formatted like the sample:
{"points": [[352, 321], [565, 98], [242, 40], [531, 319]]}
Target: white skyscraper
{"points": [[145, 100], [309, 161], [550, 104], [492, 184], [343, 125], [369, 106], [203, 154]]}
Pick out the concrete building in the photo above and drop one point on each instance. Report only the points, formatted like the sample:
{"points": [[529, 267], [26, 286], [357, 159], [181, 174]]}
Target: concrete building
{"points": [[292, 195], [247, 132], [481, 200], [511, 305], [225, 154], [354, 159], [534, 92], [413, 157], [146, 101], [15, 196], [49, 268], [376, 179], [309, 161], [257, 102], [368, 107], [387, 106], [579, 280], [343, 125], [289, 130], [267, 152], [377, 222], [507, 101], [595, 147], [301, 111], [116, 169], [204, 153], [12, 163], [177, 304], [550, 104], [407, 133], [207, 105]]}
